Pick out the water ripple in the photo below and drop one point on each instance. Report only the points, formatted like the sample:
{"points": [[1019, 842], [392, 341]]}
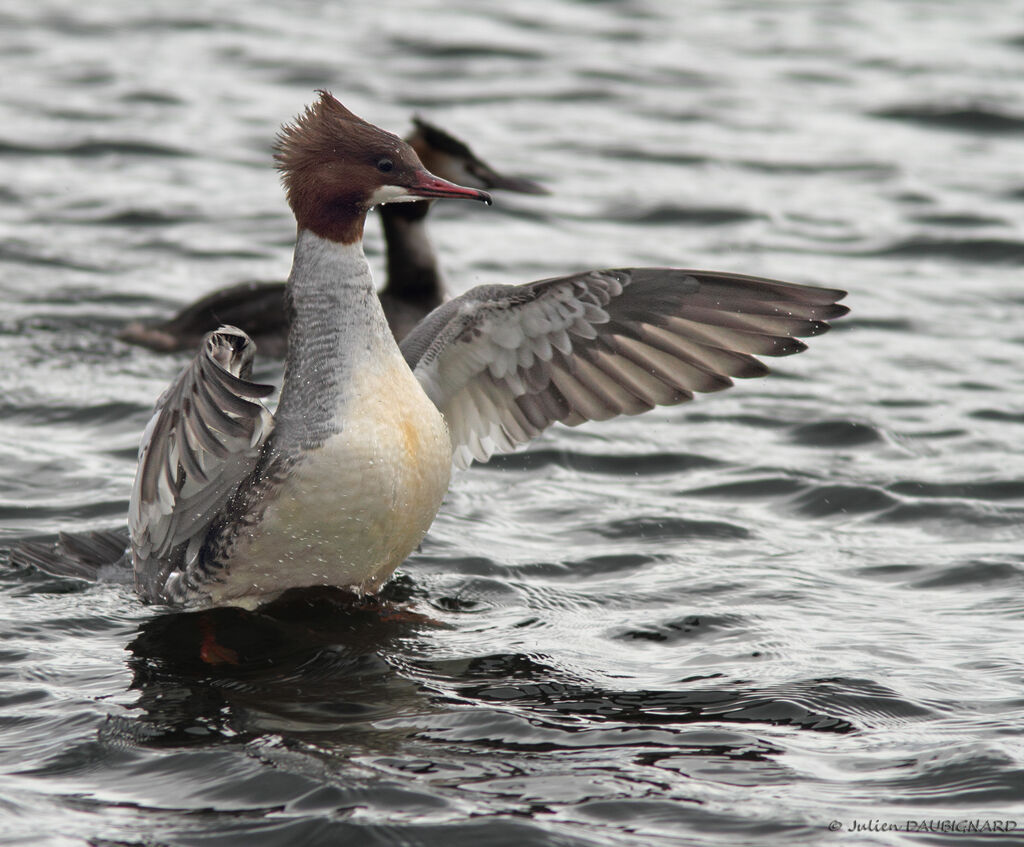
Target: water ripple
{"points": [[92, 149], [967, 118]]}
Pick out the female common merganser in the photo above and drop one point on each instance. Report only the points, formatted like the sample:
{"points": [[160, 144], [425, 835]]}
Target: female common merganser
{"points": [[233, 505], [413, 288]]}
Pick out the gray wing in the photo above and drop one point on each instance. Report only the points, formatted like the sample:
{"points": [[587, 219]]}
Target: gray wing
{"points": [[503, 363], [204, 437]]}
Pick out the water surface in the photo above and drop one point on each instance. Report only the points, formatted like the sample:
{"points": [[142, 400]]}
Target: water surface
{"points": [[727, 623]]}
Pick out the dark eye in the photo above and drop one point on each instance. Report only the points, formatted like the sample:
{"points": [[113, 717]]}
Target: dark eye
{"points": [[385, 165]]}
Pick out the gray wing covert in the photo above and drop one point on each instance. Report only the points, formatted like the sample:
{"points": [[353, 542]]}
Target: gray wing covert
{"points": [[503, 363]]}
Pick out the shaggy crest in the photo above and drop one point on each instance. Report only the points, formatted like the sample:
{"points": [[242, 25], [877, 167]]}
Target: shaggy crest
{"points": [[328, 161], [315, 134]]}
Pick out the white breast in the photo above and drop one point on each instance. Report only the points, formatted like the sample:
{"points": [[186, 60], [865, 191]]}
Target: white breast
{"points": [[353, 509]]}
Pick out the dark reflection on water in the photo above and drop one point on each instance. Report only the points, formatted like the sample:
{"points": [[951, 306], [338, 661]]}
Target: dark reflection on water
{"points": [[794, 602], [318, 661], [308, 663]]}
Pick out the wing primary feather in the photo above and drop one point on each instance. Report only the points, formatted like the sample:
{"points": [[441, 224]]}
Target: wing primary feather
{"points": [[738, 341], [710, 359]]}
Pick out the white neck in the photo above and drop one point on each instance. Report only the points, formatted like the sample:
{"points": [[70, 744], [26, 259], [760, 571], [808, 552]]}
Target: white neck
{"points": [[337, 324]]}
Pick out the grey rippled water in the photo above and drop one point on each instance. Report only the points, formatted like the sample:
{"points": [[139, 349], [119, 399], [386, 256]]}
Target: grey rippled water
{"points": [[735, 622]]}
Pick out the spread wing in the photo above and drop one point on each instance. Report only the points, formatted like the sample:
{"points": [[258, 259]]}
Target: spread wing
{"points": [[203, 439], [503, 363]]}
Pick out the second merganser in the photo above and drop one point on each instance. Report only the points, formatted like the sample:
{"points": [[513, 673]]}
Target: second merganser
{"points": [[413, 288], [233, 506]]}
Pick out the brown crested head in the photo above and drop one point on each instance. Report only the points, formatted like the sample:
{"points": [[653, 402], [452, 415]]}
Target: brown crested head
{"points": [[336, 166]]}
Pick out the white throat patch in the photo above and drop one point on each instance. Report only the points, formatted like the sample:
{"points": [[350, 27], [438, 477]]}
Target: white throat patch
{"points": [[392, 194]]}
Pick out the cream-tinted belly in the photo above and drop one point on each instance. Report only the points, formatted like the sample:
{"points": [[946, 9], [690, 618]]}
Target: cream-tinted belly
{"points": [[354, 509]]}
